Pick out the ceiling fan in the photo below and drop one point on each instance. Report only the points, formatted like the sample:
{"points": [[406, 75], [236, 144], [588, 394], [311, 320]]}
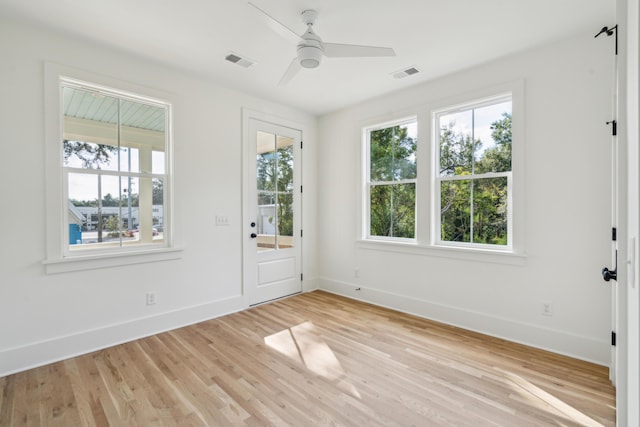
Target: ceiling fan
{"points": [[311, 48]]}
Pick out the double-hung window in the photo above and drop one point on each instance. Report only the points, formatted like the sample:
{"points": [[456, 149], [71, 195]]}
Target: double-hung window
{"points": [[464, 198], [473, 174], [391, 180], [108, 158], [114, 169]]}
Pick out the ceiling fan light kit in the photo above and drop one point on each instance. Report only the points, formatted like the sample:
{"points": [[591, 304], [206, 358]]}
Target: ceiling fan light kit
{"points": [[311, 49], [309, 56]]}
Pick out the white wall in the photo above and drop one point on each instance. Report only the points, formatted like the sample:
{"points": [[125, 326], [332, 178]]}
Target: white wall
{"points": [[567, 168], [48, 317]]}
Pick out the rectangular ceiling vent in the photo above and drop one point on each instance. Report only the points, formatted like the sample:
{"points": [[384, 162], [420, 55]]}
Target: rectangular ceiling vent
{"points": [[405, 73], [243, 61]]}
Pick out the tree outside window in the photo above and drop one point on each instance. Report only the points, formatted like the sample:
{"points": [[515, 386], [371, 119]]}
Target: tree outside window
{"points": [[474, 174], [392, 180]]}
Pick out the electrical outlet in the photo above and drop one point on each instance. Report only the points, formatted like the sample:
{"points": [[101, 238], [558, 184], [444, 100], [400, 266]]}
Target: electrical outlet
{"points": [[151, 298], [547, 309]]}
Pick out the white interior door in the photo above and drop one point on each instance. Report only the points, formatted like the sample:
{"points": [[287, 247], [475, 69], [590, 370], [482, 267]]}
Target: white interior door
{"points": [[272, 229]]}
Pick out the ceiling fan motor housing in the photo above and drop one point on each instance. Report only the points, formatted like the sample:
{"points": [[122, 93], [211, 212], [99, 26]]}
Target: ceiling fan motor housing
{"points": [[310, 49]]}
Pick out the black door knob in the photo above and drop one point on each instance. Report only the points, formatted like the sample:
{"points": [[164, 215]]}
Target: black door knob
{"points": [[253, 224], [609, 275], [253, 235]]}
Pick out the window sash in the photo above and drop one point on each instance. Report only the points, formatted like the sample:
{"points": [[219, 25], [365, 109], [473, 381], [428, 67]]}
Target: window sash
{"points": [[437, 220]]}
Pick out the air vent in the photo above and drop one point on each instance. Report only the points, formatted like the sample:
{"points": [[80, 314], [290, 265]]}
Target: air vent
{"points": [[239, 59], [405, 73]]}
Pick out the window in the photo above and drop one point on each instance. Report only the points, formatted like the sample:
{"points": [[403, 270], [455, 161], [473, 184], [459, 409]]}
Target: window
{"points": [[473, 174], [464, 198], [114, 169], [391, 180], [108, 172]]}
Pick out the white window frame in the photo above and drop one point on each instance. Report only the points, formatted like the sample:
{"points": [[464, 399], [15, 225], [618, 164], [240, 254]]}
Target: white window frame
{"points": [[58, 258], [366, 138], [438, 179], [425, 243]]}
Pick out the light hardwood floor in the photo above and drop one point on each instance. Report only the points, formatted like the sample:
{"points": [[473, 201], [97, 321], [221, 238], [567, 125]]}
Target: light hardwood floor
{"points": [[309, 360]]}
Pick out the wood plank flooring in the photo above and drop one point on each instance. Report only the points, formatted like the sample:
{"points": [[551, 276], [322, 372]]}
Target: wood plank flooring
{"points": [[312, 360]]}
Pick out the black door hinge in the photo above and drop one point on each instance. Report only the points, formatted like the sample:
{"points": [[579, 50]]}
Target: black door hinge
{"points": [[301, 145], [614, 127], [300, 276], [609, 32], [614, 234], [301, 188], [613, 338], [301, 233]]}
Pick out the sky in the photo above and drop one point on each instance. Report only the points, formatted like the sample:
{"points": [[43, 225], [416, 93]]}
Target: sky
{"points": [[479, 123]]}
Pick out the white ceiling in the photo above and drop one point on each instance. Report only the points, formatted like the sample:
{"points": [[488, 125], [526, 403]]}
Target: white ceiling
{"points": [[436, 36]]}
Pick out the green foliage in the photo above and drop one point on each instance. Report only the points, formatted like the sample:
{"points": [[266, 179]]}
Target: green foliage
{"points": [[274, 175], [158, 193], [393, 210], [392, 205], [475, 210], [113, 224], [498, 158]]}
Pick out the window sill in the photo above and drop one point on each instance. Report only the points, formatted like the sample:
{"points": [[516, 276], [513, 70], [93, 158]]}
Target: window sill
{"points": [[94, 261], [465, 254]]}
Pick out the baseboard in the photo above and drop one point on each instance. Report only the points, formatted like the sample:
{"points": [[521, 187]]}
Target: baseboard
{"points": [[579, 347], [53, 350]]}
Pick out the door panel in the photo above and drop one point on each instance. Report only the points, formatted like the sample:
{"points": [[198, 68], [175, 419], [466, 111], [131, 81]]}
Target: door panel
{"points": [[276, 271], [272, 250]]}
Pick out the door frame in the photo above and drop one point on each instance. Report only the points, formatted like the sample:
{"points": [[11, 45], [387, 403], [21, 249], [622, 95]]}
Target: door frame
{"points": [[247, 116], [628, 316]]}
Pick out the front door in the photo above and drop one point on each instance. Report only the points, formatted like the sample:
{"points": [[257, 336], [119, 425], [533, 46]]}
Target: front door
{"points": [[272, 229]]}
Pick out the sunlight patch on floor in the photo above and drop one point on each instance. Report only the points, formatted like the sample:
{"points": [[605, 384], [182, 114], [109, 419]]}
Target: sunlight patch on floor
{"points": [[304, 345], [544, 400]]}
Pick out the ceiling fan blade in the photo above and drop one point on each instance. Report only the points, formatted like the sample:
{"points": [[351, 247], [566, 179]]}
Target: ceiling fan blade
{"points": [[292, 70], [278, 26], [337, 50]]}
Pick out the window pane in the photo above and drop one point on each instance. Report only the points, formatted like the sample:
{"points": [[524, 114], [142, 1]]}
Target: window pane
{"points": [[493, 131], [89, 155], [157, 162], [266, 180], [403, 197], [95, 207], [456, 143], [90, 133], [490, 211], [266, 224], [380, 216], [285, 220], [455, 211], [284, 214], [130, 202], [392, 210], [129, 159], [393, 153]]}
